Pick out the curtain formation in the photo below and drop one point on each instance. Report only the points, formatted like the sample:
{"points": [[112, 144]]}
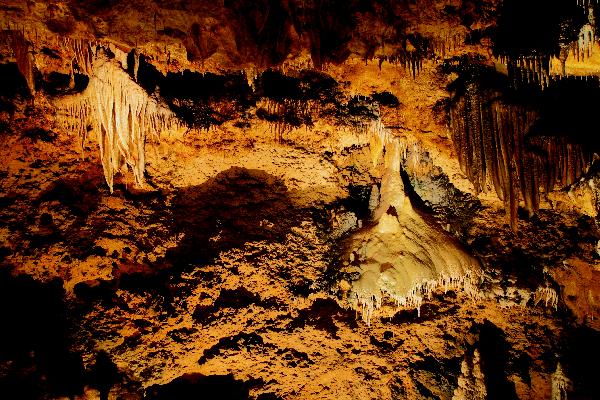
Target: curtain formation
{"points": [[493, 147]]}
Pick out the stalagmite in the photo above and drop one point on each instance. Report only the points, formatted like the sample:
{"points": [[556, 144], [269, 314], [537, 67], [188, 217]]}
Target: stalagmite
{"points": [[471, 382], [403, 256], [560, 384], [121, 114]]}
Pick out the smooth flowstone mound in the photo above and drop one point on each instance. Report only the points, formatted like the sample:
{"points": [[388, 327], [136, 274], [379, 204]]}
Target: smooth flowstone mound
{"points": [[402, 255]]}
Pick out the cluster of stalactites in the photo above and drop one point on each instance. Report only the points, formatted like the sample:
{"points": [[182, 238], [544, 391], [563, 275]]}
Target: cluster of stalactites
{"points": [[75, 116], [547, 295], [586, 3], [534, 69], [121, 114], [584, 44], [580, 49], [284, 114], [367, 300], [411, 57], [16, 40], [490, 137], [124, 116], [84, 52], [411, 61], [446, 44]]}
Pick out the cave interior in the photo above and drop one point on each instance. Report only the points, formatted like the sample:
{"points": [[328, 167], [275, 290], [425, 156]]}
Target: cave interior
{"points": [[299, 199]]}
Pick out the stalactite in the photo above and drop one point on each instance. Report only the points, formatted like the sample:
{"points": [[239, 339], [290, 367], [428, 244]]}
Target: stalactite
{"points": [[586, 4], [528, 69], [585, 41], [20, 47], [490, 137], [446, 43], [411, 56], [84, 51], [547, 295], [566, 162], [379, 136], [283, 115], [531, 64], [136, 64], [535, 68], [122, 116]]}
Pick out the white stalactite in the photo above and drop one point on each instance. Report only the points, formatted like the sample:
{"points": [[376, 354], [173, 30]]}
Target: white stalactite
{"points": [[547, 295], [84, 52], [136, 65], [121, 114]]}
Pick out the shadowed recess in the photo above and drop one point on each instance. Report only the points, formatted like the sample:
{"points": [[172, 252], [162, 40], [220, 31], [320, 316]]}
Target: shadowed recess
{"points": [[197, 387], [234, 207]]}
